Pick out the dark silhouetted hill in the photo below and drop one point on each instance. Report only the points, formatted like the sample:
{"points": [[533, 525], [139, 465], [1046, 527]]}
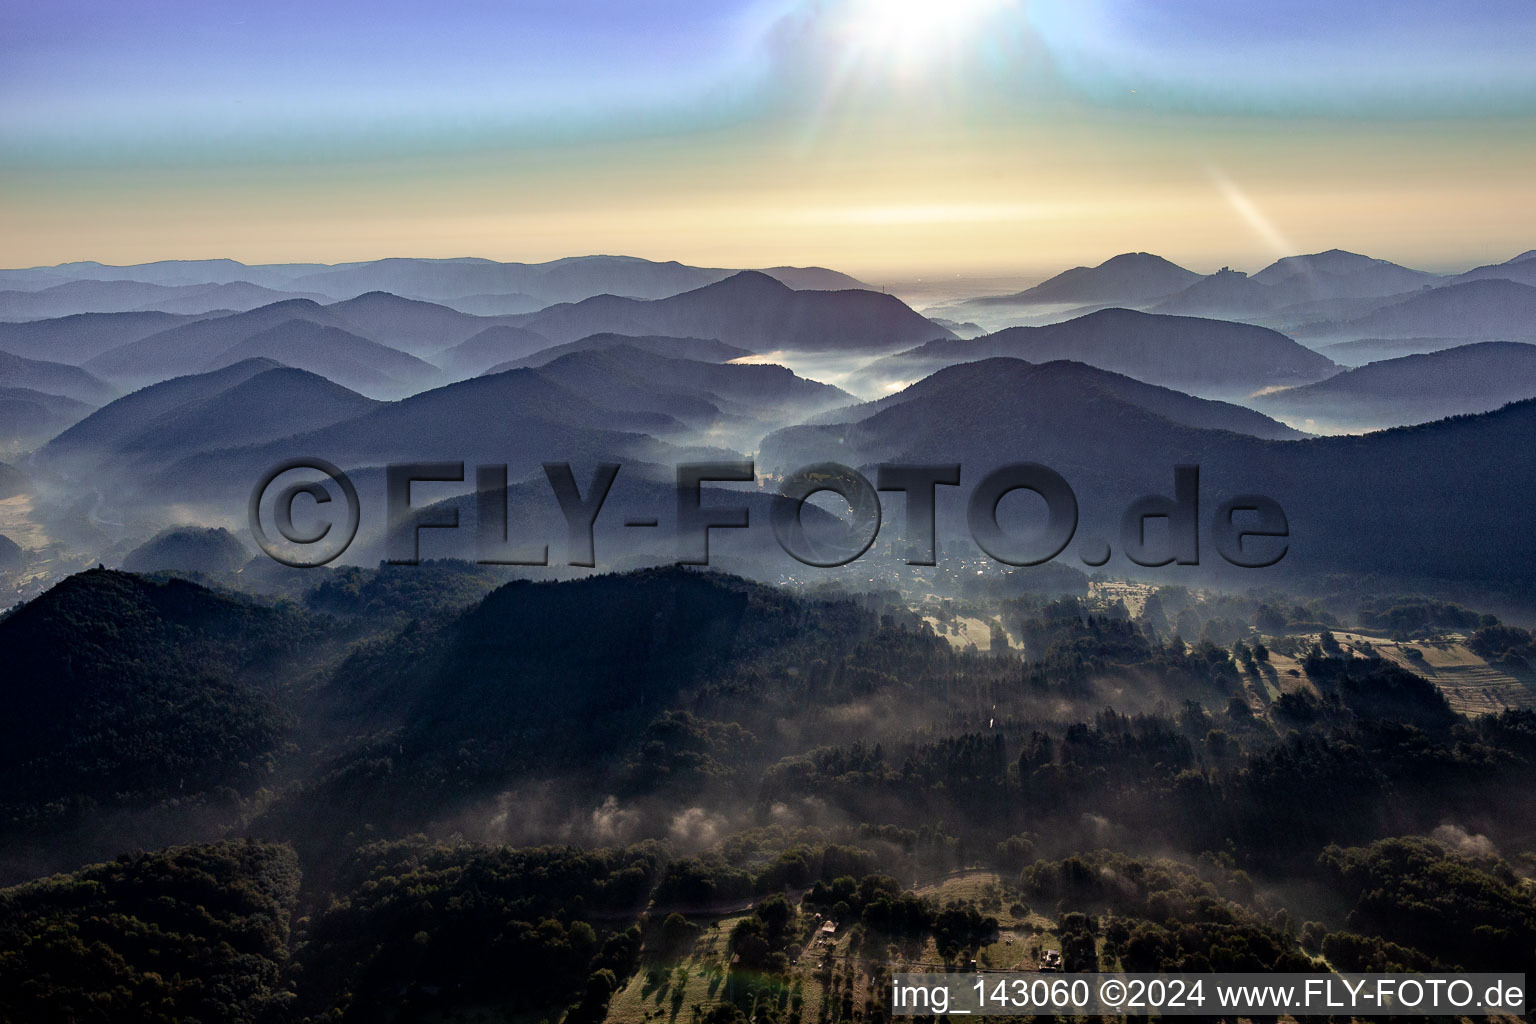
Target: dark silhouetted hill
{"points": [[120, 690], [1064, 382], [622, 376], [79, 297], [750, 310], [1224, 293], [499, 345], [28, 417], [495, 304], [113, 425], [188, 549], [247, 403], [818, 279], [1493, 309], [1339, 274], [1414, 388], [1371, 350], [1299, 289], [1521, 269], [189, 347], [1187, 353], [410, 325], [597, 655], [703, 349], [339, 355], [54, 379], [1062, 408], [517, 417], [1129, 278], [274, 403], [1418, 502], [75, 339]]}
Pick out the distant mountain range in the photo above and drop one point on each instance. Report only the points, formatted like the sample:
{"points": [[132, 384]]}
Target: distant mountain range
{"points": [[390, 346], [126, 296], [1298, 288], [1149, 282], [564, 280], [488, 288], [521, 417], [1412, 389], [1295, 293], [1104, 396], [1326, 297], [479, 286], [1191, 354], [206, 437]]}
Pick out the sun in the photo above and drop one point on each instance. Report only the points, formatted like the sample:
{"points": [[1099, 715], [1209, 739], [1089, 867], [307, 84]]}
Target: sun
{"points": [[915, 32]]}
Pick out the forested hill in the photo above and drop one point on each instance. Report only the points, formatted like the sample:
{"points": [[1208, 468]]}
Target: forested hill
{"points": [[718, 762], [122, 689]]}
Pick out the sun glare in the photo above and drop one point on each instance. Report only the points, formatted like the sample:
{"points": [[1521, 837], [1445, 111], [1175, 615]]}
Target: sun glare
{"points": [[915, 31]]}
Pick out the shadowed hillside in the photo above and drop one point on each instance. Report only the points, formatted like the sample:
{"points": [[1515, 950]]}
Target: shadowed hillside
{"points": [[1187, 353]]}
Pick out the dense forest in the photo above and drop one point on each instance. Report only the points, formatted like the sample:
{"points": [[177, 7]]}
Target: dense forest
{"points": [[402, 793]]}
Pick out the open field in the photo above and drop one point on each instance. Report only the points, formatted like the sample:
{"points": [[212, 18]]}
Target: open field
{"points": [[18, 523], [1469, 682], [964, 631], [1107, 592], [669, 991]]}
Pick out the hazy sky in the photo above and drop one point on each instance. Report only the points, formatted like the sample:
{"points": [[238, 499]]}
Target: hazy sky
{"points": [[883, 137]]}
